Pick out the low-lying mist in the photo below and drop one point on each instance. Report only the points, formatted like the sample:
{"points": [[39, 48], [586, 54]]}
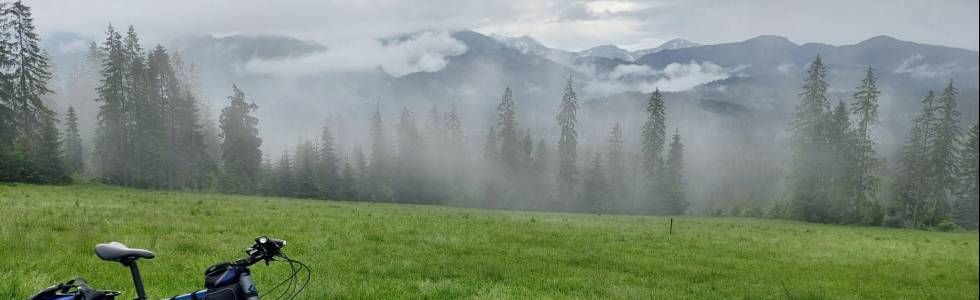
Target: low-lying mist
{"points": [[732, 120]]}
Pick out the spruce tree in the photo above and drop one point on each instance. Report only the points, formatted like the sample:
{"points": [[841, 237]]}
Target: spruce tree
{"points": [[304, 169], [74, 159], [29, 73], [865, 110], [453, 129], [943, 138], [329, 165], [24, 75], [285, 183], [240, 154], [363, 182], [674, 199], [654, 136], [595, 186], [455, 145], [48, 165], [380, 189], [436, 131], [843, 165], [165, 159], [185, 132], [147, 93], [268, 182], [491, 170], [539, 164], [8, 128], [967, 197], [865, 106], [616, 162], [508, 134], [347, 185], [113, 145], [211, 132], [409, 186], [527, 151], [568, 172], [809, 179], [915, 182]]}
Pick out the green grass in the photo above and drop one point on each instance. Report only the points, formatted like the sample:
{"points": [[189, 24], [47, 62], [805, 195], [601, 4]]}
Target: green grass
{"points": [[381, 251]]}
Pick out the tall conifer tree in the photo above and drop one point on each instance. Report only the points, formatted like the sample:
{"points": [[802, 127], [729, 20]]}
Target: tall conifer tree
{"points": [[380, 189], [29, 75], [809, 186], [74, 157], [595, 186], [865, 110], [967, 196], [508, 133], [240, 154], [654, 137], [114, 149], [285, 182], [616, 162], [568, 172], [674, 198], [915, 187], [943, 135]]}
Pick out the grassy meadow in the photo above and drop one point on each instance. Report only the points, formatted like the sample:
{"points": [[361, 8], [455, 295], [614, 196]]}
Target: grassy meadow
{"points": [[383, 251]]}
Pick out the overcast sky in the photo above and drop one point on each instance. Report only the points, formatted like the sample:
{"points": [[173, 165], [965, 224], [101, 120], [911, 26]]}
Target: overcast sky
{"points": [[567, 24]]}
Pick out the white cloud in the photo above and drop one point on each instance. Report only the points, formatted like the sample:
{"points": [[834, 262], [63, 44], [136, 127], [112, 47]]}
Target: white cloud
{"points": [[916, 66], [642, 78], [424, 52]]}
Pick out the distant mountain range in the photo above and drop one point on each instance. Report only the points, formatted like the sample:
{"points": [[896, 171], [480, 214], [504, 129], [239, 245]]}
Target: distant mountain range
{"points": [[611, 51], [528, 45]]}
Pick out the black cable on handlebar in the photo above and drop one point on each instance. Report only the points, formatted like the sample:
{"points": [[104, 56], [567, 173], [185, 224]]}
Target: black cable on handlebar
{"points": [[292, 289], [292, 281], [277, 286], [309, 275]]}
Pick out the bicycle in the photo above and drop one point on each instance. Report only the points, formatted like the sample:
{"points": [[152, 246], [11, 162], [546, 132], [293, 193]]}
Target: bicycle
{"points": [[223, 281]]}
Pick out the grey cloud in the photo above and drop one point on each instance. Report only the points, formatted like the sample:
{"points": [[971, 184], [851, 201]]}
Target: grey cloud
{"points": [[567, 24], [577, 11]]}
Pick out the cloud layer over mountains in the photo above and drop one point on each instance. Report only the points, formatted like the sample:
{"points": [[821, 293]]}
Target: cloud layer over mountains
{"points": [[422, 52]]}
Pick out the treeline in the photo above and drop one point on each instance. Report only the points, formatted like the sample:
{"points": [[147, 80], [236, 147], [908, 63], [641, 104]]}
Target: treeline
{"points": [[152, 132], [429, 162], [30, 140], [149, 130], [836, 173]]}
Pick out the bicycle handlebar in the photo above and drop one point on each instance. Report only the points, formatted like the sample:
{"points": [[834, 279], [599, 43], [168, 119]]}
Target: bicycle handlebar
{"points": [[264, 249]]}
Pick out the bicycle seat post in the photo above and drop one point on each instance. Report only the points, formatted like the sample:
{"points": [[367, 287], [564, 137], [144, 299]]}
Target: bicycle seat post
{"points": [[137, 279], [126, 256]]}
